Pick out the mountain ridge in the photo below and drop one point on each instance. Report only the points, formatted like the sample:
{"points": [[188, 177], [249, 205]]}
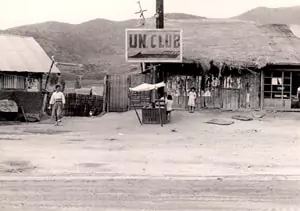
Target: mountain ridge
{"points": [[95, 43], [99, 43], [266, 15]]}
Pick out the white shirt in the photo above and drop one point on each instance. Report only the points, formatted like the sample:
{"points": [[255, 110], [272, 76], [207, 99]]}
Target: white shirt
{"points": [[169, 104], [57, 96]]}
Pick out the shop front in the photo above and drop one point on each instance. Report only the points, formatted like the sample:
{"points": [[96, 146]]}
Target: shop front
{"points": [[225, 88], [280, 85]]}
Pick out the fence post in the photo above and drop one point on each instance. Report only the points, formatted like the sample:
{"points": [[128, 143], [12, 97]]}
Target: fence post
{"points": [[129, 93], [104, 106], [107, 95]]}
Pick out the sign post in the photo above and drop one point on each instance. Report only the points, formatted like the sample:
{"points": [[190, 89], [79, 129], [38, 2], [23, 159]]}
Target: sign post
{"points": [[159, 25], [154, 45]]}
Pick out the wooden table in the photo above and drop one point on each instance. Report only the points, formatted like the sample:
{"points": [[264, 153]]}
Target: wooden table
{"points": [[152, 116]]}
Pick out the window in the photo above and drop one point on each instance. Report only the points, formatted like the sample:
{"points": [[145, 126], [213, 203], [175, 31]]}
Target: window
{"points": [[10, 81], [277, 85]]}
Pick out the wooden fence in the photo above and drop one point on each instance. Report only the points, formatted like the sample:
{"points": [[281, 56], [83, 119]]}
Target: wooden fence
{"points": [[244, 97], [81, 105], [118, 97]]}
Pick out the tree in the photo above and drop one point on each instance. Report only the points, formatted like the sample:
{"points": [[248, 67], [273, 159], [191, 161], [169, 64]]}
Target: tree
{"points": [[63, 84], [78, 83], [53, 79]]}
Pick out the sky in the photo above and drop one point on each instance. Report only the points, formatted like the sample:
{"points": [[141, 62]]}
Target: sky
{"points": [[22, 12]]}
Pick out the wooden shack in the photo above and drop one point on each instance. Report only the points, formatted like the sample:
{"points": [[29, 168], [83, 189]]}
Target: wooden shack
{"points": [[235, 65], [23, 62]]}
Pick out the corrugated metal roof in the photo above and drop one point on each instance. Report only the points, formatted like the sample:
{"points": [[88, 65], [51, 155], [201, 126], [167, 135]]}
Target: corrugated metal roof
{"points": [[23, 54]]}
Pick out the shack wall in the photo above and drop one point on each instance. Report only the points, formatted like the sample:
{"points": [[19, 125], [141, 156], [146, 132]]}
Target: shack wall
{"points": [[119, 99], [20, 81], [230, 93], [31, 102]]}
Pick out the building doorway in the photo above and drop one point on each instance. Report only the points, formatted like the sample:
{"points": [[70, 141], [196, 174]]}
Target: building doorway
{"points": [[295, 86]]}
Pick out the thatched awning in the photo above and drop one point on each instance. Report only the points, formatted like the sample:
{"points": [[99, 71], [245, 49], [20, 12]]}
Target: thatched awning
{"points": [[237, 43]]}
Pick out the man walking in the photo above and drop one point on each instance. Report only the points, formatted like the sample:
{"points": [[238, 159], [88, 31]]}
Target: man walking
{"points": [[57, 103]]}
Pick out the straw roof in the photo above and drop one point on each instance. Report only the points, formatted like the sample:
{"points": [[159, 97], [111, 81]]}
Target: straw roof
{"points": [[237, 43]]}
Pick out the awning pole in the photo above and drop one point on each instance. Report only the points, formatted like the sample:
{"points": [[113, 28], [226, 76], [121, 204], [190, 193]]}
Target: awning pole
{"points": [[45, 91], [262, 90], [159, 110], [48, 75], [138, 116]]}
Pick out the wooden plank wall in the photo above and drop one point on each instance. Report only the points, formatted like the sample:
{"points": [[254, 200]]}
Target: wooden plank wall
{"points": [[253, 101], [179, 86], [11, 81], [233, 98], [139, 99], [244, 97], [119, 98], [230, 99], [213, 101], [80, 105], [118, 88]]}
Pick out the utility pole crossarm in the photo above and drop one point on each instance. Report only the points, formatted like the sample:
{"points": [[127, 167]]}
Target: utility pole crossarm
{"points": [[141, 12]]}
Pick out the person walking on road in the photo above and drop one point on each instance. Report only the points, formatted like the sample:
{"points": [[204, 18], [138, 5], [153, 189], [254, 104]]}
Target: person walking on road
{"points": [[57, 103]]}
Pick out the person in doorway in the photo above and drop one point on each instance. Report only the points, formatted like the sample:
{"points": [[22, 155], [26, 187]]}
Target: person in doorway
{"points": [[192, 100], [298, 93], [169, 107], [57, 103]]}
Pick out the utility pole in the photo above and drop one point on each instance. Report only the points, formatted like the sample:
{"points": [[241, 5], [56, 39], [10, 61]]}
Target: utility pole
{"points": [[159, 25], [159, 14]]}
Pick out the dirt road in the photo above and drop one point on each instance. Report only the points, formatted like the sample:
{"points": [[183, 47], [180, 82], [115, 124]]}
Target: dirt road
{"points": [[149, 194], [112, 163]]}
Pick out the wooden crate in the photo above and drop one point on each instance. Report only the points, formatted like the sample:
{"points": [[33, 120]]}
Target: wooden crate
{"points": [[151, 116]]}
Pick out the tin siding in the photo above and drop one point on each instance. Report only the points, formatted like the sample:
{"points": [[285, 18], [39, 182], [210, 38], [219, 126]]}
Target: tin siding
{"points": [[12, 82], [8, 81], [20, 82]]}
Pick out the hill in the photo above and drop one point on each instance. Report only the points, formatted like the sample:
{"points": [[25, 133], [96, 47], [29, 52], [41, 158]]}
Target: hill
{"points": [[98, 44], [264, 15], [182, 16]]}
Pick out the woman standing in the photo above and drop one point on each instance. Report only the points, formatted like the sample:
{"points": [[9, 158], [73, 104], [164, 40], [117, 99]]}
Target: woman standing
{"points": [[57, 103]]}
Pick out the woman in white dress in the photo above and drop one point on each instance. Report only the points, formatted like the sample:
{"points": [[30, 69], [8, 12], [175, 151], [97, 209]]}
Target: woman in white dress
{"points": [[192, 100]]}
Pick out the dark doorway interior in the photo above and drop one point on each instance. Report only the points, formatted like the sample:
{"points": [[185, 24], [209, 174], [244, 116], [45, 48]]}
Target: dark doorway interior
{"points": [[295, 86]]}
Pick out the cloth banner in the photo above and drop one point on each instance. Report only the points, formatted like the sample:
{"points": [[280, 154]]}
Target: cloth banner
{"points": [[147, 87]]}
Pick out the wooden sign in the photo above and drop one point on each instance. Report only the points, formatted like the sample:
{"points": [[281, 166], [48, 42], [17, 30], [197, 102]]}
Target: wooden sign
{"points": [[153, 45]]}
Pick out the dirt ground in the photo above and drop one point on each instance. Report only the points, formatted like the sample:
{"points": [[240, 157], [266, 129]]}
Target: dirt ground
{"points": [[114, 163]]}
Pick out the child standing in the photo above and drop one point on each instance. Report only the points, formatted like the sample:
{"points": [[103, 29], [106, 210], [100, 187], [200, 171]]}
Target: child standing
{"points": [[192, 98], [169, 107], [57, 103]]}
